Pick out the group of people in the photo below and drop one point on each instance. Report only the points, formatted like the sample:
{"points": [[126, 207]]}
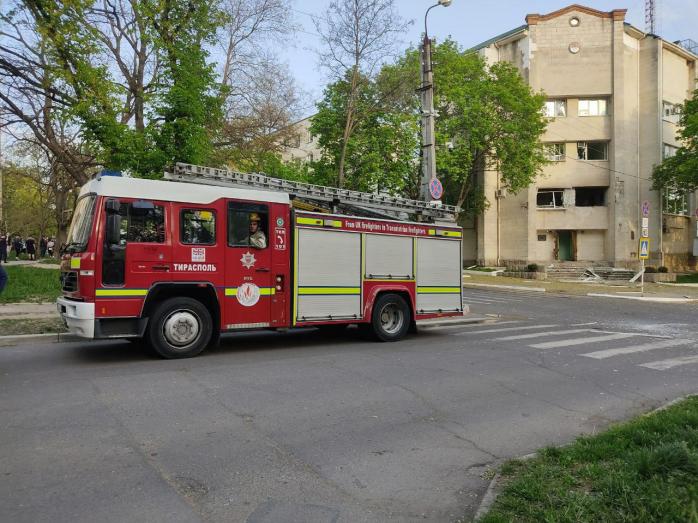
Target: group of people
{"points": [[46, 246]]}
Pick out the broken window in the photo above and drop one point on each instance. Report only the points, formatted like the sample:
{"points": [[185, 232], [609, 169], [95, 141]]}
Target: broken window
{"points": [[555, 108], [597, 107], [675, 201], [668, 151], [592, 150], [549, 198], [590, 196], [555, 152], [671, 112]]}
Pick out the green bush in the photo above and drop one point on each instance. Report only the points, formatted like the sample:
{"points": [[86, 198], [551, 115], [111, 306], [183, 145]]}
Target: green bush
{"points": [[532, 267], [662, 269], [650, 269]]}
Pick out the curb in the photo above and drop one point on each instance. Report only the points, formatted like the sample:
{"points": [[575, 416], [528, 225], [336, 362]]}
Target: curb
{"points": [[508, 287], [643, 298], [53, 337]]}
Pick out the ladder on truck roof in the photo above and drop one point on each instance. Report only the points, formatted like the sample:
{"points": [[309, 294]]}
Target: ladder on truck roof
{"points": [[184, 172]]}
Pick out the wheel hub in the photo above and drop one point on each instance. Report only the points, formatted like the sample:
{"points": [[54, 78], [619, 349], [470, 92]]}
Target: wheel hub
{"points": [[391, 317], [181, 328]]}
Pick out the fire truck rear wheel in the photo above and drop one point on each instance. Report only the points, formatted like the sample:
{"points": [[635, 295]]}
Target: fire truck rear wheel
{"points": [[180, 328], [390, 319]]}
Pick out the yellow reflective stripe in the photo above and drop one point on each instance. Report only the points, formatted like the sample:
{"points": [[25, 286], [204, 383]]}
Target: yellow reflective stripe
{"points": [[75, 263], [450, 234], [309, 291], [333, 223], [121, 292], [438, 290], [295, 276], [432, 232], [263, 291], [308, 221]]}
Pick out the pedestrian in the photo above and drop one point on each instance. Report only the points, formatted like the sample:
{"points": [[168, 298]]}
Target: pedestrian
{"points": [[31, 248], [42, 247], [3, 278], [50, 246], [17, 246], [3, 248]]}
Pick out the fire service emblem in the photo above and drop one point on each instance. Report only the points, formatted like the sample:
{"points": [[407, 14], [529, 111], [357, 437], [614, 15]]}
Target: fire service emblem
{"points": [[248, 294], [248, 260]]}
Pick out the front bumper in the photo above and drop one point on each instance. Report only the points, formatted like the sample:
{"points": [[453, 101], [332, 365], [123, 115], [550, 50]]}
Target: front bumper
{"points": [[78, 316]]}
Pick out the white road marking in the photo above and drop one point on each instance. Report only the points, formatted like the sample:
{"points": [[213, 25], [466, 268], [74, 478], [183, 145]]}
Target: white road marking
{"points": [[506, 329], [670, 364], [581, 341], [541, 334], [608, 353]]}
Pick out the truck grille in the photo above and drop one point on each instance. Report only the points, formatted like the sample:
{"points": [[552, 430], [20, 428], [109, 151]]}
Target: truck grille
{"points": [[69, 281]]}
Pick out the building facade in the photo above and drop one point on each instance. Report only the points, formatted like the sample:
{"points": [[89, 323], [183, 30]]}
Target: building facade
{"points": [[614, 94], [299, 145]]}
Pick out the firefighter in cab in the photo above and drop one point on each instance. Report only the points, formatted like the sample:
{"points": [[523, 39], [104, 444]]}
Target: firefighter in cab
{"points": [[256, 239]]}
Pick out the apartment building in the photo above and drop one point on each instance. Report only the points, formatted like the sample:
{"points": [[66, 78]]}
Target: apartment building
{"points": [[299, 145], [614, 95]]}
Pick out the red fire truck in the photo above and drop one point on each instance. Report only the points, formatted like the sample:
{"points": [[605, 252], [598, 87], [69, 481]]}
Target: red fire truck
{"points": [[178, 262]]}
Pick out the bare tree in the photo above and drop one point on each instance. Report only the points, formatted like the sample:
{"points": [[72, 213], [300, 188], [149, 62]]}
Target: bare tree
{"points": [[358, 36], [121, 28]]}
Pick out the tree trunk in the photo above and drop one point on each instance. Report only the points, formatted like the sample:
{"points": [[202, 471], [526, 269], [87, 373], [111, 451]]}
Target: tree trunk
{"points": [[348, 125], [62, 221]]}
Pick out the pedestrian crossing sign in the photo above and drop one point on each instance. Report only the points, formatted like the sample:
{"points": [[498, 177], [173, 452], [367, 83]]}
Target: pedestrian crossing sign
{"points": [[644, 248]]}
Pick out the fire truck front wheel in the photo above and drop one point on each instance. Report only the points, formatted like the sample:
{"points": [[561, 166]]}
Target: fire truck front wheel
{"points": [[390, 319], [180, 328]]}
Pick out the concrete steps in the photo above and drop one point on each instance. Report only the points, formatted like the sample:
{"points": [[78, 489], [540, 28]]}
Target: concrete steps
{"points": [[579, 270]]}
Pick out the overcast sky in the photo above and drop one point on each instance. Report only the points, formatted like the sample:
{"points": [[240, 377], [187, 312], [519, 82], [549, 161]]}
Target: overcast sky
{"points": [[470, 22]]}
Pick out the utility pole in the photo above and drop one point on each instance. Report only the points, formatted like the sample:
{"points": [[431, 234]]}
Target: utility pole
{"points": [[428, 139]]}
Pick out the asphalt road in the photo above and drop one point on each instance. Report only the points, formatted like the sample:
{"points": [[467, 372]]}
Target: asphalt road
{"points": [[305, 427]]}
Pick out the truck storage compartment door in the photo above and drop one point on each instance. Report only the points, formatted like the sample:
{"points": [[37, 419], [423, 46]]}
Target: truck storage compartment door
{"points": [[439, 278], [328, 275], [389, 257]]}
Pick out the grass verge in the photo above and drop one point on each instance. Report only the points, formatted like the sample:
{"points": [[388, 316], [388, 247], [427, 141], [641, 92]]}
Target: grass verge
{"points": [[29, 284], [643, 470], [687, 278], [31, 326]]}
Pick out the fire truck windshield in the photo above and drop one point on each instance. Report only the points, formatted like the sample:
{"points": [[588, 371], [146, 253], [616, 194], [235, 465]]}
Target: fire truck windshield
{"points": [[80, 226]]}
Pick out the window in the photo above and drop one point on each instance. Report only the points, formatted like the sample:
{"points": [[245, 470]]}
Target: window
{"points": [[593, 107], [549, 198], [248, 225], [675, 201], [592, 150], [671, 112], [198, 227], [668, 151], [542, 238], [142, 222], [555, 108], [590, 196], [555, 152]]}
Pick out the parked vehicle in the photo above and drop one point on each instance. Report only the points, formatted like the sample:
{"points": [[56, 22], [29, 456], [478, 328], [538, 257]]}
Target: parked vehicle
{"points": [[177, 262]]}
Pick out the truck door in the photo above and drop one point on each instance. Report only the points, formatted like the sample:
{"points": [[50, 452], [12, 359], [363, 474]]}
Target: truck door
{"points": [[140, 257], [248, 271]]}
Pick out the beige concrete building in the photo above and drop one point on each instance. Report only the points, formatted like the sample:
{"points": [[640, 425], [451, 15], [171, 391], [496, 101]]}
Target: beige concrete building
{"points": [[299, 145], [613, 95]]}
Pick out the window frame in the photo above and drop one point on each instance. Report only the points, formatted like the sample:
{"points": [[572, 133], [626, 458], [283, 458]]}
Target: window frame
{"points": [[194, 209], [586, 149], [591, 101], [670, 206], [253, 207], [553, 192], [555, 101], [556, 157]]}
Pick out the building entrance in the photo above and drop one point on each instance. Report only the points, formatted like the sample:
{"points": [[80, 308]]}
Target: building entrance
{"points": [[565, 250]]}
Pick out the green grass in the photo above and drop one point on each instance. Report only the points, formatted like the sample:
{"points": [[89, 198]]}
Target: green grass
{"points": [[641, 471], [29, 284], [687, 278], [31, 326]]}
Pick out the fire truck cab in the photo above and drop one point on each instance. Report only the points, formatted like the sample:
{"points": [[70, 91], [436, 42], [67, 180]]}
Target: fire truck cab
{"points": [[176, 264]]}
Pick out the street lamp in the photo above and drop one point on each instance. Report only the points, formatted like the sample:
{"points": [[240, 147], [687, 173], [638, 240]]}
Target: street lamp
{"points": [[430, 187]]}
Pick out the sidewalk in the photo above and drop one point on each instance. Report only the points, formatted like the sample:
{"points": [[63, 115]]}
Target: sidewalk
{"points": [[659, 292], [22, 311], [32, 263]]}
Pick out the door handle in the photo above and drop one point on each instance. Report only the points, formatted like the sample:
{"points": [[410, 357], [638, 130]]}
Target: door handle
{"points": [[161, 267], [262, 269]]}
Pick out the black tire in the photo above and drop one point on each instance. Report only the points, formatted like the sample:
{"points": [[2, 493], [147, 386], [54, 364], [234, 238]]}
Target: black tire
{"points": [[179, 328], [390, 318]]}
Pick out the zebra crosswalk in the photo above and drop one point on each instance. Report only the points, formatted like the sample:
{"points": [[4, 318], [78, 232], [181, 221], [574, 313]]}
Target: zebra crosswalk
{"points": [[473, 296], [583, 336]]}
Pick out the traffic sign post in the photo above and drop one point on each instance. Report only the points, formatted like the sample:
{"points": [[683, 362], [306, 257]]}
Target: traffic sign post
{"points": [[436, 190], [644, 254]]}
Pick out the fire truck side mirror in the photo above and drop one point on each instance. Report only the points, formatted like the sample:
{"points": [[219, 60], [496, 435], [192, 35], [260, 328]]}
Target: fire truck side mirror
{"points": [[113, 233]]}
